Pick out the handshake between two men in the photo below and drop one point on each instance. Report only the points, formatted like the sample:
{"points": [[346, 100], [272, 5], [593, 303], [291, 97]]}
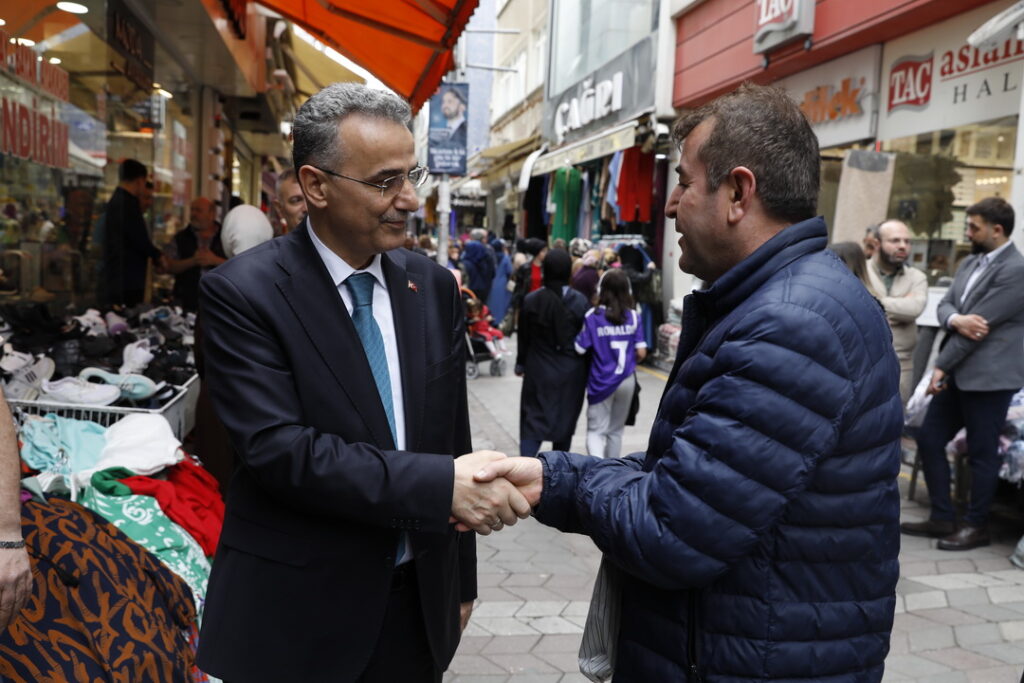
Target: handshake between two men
{"points": [[492, 490]]}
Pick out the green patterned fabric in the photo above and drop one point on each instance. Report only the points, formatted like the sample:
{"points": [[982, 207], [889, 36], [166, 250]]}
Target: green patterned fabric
{"points": [[142, 520]]}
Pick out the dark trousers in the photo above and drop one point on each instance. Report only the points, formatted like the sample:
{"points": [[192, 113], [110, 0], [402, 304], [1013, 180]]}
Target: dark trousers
{"points": [[983, 414], [402, 652], [528, 448]]}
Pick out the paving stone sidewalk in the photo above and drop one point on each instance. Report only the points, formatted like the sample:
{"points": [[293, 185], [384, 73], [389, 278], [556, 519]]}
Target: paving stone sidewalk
{"points": [[959, 616]]}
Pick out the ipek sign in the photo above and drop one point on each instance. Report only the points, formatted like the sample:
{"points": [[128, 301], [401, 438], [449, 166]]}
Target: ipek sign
{"points": [[778, 22], [618, 91], [933, 79]]}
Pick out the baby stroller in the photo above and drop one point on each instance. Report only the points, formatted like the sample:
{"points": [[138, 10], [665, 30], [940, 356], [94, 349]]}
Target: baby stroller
{"points": [[476, 344]]}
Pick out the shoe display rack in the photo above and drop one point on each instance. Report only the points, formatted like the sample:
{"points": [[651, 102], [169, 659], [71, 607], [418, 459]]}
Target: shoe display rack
{"points": [[180, 411]]}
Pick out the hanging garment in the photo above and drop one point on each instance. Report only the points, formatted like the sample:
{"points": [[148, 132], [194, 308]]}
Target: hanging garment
{"points": [[102, 607], [142, 520], [583, 224], [611, 195], [636, 186], [566, 195]]}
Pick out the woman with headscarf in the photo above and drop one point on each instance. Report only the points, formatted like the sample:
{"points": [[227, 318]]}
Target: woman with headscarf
{"points": [[500, 296], [554, 376], [586, 277], [244, 227]]}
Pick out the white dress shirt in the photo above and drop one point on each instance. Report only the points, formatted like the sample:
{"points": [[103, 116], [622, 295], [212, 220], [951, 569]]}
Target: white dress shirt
{"points": [[341, 271]]}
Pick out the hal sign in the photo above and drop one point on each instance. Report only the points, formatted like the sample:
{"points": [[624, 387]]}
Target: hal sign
{"points": [[594, 103], [779, 22]]}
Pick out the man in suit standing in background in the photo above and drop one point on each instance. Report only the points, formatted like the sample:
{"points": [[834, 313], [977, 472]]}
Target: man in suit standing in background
{"points": [[978, 370], [336, 361]]}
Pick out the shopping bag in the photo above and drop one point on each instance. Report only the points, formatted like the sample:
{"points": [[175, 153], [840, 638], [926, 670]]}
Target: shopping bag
{"points": [[917, 406], [601, 633]]}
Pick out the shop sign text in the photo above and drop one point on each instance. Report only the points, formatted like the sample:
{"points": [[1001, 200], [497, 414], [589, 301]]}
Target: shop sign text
{"points": [[23, 62], [781, 21], [134, 42], [826, 103], [33, 132], [910, 80], [593, 104]]}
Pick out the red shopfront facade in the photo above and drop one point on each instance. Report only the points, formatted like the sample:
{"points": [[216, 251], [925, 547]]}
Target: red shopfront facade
{"points": [[715, 40]]}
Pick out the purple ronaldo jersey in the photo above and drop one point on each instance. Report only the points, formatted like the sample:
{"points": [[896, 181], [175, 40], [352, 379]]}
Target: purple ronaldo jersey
{"points": [[614, 351]]}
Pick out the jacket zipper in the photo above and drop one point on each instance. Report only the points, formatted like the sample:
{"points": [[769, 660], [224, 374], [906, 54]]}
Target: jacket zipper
{"points": [[691, 636]]}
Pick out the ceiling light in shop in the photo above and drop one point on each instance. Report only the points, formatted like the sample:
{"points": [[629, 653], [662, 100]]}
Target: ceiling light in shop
{"points": [[3, 23], [997, 180], [54, 60], [73, 7], [23, 41], [165, 93]]}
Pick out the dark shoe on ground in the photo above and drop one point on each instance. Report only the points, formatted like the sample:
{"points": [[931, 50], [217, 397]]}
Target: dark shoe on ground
{"points": [[965, 538], [931, 528]]}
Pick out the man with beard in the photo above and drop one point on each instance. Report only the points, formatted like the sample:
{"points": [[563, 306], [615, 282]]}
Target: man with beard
{"points": [[978, 370], [903, 291]]}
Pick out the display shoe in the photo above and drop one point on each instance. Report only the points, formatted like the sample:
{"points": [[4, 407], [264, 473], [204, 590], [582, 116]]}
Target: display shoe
{"points": [[134, 387], [14, 360], [26, 381], [136, 357], [965, 538], [78, 391], [115, 323], [93, 322], [932, 528]]}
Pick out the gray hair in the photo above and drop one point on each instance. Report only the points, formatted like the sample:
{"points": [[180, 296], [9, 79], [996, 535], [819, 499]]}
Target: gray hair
{"points": [[875, 230], [478, 234], [315, 129]]}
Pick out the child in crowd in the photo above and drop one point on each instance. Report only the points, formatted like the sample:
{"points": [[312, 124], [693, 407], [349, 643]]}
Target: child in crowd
{"points": [[480, 325], [613, 335]]}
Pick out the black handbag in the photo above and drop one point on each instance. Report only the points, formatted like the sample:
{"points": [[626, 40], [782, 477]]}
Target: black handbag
{"points": [[634, 405]]}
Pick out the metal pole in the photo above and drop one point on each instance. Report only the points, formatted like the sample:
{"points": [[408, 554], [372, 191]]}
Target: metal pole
{"points": [[444, 208]]}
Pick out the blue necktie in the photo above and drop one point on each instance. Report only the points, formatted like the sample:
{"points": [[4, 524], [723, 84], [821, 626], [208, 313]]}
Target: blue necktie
{"points": [[360, 286]]}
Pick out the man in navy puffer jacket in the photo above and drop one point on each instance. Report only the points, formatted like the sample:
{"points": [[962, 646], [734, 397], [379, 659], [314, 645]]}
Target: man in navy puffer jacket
{"points": [[758, 536]]}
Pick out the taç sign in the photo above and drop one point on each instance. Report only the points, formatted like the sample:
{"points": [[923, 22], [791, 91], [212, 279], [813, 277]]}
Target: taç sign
{"points": [[932, 79], [779, 22]]}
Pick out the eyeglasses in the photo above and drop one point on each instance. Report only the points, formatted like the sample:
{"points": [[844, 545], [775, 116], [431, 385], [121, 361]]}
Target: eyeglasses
{"points": [[389, 187]]}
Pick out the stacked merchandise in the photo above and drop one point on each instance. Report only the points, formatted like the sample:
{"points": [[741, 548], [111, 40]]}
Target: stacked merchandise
{"points": [[130, 486], [135, 358]]}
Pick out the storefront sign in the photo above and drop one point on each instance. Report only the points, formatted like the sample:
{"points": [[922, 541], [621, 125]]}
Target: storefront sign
{"points": [[618, 91], [132, 41], [601, 145], [449, 121], [840, 98], [22, 62], [934, 79], [778, 22], [31, 128]]}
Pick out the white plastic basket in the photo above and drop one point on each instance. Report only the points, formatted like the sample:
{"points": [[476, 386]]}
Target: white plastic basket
{"points": [[180, 411]]}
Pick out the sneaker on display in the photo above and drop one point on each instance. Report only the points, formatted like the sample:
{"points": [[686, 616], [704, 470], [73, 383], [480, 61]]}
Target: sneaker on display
{"points": [[134, 387], [77, 390], [25, 381], [93, 322], [115, 323], [14, 360], [136, 357]]}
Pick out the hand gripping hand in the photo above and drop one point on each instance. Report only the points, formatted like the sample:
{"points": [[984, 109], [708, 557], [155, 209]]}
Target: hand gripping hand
{"points": [[484, 506]]}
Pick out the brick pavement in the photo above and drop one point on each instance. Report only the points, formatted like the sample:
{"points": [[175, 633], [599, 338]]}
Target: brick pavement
{"points": [[959, 616]]}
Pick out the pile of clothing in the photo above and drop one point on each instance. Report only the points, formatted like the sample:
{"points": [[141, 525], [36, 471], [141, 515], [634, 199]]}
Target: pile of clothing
{"points": [[136, 357], [135, 475]]}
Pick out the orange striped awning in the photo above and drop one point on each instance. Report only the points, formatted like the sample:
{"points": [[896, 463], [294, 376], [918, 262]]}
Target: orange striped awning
{"points": [[407, 44]]}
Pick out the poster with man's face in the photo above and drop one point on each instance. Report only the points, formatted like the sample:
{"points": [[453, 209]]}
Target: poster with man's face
{"points": [[446, 152]]}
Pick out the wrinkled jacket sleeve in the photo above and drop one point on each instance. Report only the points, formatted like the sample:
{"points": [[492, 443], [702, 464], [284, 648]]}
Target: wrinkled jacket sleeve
{"points": [[255, 395], [769, 407], [906, 309], [1001, 301]]}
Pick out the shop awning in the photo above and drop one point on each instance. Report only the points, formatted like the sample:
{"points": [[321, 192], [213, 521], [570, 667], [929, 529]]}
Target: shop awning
{"points": [[407, 44], [314, 69], [599, 145]]}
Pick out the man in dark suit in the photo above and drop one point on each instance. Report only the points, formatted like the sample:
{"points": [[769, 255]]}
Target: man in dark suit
{"points": [[978, 370], [126, 246], [336, 361]]}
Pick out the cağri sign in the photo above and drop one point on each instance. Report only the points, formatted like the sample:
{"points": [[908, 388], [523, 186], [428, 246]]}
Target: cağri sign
{"points": [[594, 103]]}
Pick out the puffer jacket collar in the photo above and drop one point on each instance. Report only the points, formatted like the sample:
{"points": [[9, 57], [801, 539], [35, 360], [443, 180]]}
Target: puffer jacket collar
{"points": [[747, 276]]}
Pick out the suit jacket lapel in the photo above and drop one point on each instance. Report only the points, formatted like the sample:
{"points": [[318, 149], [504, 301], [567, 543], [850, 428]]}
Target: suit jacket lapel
{"points": [[407, 308], [309, 291], [981, 284]]}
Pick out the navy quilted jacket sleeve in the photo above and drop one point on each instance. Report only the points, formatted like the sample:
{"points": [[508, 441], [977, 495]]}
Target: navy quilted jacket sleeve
{"points": [[769, 402]]}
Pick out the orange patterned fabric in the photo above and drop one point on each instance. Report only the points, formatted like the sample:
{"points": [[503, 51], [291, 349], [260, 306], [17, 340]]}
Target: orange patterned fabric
{"points": [[102, 607]]}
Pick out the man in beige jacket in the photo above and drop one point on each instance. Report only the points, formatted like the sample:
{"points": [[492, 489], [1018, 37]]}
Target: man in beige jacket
{"points": [[903, 291]]}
